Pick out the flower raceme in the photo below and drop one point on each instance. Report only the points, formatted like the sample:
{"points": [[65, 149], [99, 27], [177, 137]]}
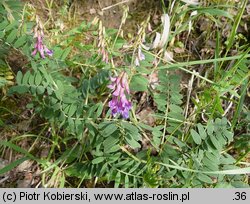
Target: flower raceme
{"points": [[39, 46], [119, 103]]}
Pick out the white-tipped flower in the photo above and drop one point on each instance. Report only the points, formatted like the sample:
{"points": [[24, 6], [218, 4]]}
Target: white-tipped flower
{"points": [[194, 13], [191, 2], [168, 56], [166, 29], [140, 57], [161, 39]]}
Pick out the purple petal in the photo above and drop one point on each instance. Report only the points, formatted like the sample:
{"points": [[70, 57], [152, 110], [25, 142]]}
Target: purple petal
{"points": [[117, 91], [41, 50], [113, 79], [111, 86], [34, 52], [39, 39], [125, 114], [49, 52]]}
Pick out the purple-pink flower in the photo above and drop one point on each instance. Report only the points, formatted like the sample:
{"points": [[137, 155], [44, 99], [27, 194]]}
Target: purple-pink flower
{"points": [[39, 46], [119, 103]]}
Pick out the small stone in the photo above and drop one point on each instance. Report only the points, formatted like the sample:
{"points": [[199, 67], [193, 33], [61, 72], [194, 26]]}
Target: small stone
{"points": [[92, 11]]}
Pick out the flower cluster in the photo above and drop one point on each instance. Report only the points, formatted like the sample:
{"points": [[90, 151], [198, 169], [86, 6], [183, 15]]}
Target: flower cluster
{"points": [[119, 103], [102, 44], [39, 46]]}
